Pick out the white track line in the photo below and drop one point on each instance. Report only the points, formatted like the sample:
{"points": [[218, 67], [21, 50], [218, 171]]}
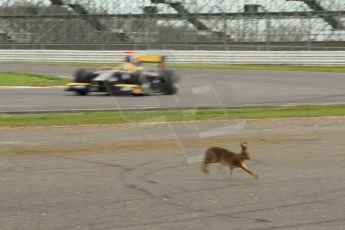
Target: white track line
{"points": [[10, 143]]}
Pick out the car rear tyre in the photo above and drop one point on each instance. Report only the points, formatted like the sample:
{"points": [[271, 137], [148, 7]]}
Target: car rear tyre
{"points": [[170, 80]]}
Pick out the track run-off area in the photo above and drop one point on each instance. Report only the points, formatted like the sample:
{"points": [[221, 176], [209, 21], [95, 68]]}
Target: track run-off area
{"points": [[147, 176], [198, 88]]}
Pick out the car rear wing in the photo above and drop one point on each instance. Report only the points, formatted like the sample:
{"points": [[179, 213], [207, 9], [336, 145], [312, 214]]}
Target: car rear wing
{"points": [[150, 59]]}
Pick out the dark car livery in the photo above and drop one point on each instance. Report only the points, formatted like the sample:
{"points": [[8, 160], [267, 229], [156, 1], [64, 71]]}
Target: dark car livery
{"points": [[141, 75]]}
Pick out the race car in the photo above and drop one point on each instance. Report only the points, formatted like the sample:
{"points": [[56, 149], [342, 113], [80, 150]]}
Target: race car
{"points": [[137, 76]]}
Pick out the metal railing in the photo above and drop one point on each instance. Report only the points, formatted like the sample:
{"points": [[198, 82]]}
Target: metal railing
{"points": [[178, 56], [244, 46]]}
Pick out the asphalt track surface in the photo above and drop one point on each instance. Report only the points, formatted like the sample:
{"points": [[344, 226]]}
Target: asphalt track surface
{"points": [[138, 177], [198, 88]]}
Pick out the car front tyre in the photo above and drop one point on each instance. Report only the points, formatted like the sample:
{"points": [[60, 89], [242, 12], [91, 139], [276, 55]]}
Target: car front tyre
{"points": [[82, 92]]}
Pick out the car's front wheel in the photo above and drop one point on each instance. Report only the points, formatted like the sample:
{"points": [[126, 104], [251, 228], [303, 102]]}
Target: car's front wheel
{"points": [[84, 75], [81, 92], [170, 82]]}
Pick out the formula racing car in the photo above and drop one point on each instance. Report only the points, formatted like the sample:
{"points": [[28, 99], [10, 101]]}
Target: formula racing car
{"points": [[140, 75]]}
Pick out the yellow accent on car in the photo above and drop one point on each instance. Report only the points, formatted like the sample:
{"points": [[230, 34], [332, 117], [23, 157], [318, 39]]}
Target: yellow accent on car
{"points": [[126, 85], [137, 90], [77, 84], [130, 67], [149, 59], [134, 69]]}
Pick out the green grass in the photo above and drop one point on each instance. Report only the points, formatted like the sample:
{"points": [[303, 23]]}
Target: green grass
{"points": [[28, 79], [94, 118]]}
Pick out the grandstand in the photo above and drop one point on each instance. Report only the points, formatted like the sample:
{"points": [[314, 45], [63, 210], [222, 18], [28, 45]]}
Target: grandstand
{"points": [[174, 24]]}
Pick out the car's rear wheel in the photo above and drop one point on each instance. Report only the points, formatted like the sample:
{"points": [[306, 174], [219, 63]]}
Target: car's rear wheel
{"points": [[170, 82]]}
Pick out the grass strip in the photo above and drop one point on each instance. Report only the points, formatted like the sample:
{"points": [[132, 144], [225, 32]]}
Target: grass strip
{"points": [[94, 118], [29, 79]]}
